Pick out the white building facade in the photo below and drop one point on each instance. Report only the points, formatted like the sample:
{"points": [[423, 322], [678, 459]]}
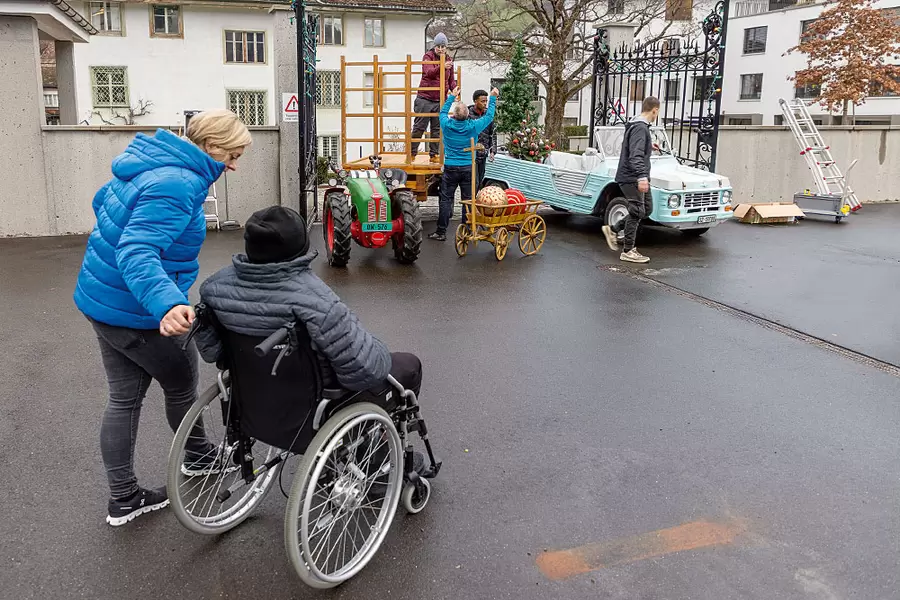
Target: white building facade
{"points": [[150, 63], [756, 70]]}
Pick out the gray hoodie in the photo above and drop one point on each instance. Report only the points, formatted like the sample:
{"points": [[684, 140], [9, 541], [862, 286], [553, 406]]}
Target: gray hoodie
{"points": [[256, 299]]}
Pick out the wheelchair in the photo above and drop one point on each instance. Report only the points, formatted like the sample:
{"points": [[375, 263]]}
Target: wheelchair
{"points": [[356, 456]]}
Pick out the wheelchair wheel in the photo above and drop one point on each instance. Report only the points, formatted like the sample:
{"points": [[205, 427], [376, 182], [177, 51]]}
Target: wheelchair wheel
{"points": [[416, 496], [344, 496], [196, 481]]}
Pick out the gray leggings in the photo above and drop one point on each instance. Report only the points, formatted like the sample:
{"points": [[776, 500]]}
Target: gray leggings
{"points": [[132, 359]]}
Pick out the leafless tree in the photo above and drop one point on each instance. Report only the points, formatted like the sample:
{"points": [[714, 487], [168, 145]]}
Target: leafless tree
{"points": [[558, 38], [143, 108]]}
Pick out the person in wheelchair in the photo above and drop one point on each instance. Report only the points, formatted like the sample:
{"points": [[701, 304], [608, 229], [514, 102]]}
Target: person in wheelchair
{"points": [[272, 284]]}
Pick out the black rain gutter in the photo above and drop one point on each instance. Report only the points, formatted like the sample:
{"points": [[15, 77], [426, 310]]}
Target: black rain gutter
{"points": [[75, 16]]}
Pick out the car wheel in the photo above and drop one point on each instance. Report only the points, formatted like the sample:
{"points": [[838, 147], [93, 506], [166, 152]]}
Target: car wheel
{"points": [[616, 211]]}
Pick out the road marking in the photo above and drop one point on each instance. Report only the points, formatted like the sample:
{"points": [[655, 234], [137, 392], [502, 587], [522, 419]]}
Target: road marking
{"points": [[563, 564]]}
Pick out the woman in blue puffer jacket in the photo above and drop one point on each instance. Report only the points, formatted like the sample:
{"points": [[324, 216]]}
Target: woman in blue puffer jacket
{"points": [[140, 262]]}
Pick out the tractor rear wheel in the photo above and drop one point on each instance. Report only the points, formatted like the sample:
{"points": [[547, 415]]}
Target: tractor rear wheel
{"points": [[336, 227], [406, 247]]}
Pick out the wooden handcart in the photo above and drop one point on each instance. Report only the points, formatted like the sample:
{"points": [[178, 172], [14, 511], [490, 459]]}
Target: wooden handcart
{"points": [[497, 224]]}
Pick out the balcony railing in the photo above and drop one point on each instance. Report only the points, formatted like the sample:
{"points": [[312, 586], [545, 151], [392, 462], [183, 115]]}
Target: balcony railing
{"points": [[746, 8]]}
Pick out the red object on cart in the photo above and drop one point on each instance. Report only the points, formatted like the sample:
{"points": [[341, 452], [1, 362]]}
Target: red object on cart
{"points": [[514, 196]]}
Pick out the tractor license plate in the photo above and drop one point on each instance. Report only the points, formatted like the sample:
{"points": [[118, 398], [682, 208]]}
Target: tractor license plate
{"points": [[376, 227], [707, 219]]}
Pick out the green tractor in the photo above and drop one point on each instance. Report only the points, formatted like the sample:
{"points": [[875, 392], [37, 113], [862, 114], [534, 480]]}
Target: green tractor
{"points": [[371, 207]]}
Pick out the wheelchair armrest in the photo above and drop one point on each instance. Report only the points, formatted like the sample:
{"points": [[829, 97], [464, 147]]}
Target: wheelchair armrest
{"points": [[333, 393]]}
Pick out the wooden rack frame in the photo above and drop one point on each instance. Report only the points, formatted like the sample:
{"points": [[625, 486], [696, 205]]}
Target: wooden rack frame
{"points": [[380, 70]]}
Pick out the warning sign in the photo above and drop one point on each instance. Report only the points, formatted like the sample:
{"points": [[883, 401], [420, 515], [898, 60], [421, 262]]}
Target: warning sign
{"points": [[290, 108]]}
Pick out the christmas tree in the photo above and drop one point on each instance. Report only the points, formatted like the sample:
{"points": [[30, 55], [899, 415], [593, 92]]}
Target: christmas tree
{"points": [[528, 143], [516, 94]]}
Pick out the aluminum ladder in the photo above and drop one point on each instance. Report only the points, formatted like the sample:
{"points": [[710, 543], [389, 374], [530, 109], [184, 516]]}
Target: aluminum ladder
{"points": [[829, 179]]}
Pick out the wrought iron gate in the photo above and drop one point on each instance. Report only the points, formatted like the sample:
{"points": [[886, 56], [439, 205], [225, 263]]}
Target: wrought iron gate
{"points": [[686, 77], [306, 24]]}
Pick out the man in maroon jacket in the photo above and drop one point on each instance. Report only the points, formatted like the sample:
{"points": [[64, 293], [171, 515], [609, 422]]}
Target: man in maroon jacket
{"points": [[430, 101]]}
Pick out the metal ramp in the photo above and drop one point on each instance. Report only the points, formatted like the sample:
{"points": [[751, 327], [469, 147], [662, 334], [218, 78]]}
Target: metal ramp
{"points": [[828, 177]]}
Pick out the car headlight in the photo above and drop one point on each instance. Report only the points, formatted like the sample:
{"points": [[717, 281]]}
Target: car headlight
{"points": [[388, 174], [674, 201], [332, 182], [342, 174], [726, 197]]}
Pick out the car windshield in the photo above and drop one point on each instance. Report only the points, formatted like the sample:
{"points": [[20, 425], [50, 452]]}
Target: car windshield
{"points": [[609, 141]]}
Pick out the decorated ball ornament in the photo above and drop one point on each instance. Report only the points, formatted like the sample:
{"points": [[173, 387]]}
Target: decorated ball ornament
{"points": [[514, 196], [491, 196]]}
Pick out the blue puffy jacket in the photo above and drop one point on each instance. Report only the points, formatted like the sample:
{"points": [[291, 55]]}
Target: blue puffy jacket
{"points": [[458, 134], [141, 258]]}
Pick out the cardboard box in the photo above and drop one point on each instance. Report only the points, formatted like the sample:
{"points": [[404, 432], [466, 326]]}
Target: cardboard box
{"points": [[768, 213]]}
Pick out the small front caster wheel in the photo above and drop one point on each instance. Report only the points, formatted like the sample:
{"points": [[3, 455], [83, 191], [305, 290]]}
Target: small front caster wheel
{"points": [[416, 495]]}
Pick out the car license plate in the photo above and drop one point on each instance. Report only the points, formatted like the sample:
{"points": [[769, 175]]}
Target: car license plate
{"points": [[376, 227], [707, 219]]}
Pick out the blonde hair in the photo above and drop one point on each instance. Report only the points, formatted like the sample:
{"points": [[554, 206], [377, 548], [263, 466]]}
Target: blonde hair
{"points": [[218, 128]]}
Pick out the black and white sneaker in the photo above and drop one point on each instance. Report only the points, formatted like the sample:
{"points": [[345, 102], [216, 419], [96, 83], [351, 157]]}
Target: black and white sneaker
{"points": [[209, 463], [143, 501], [440, 237]]}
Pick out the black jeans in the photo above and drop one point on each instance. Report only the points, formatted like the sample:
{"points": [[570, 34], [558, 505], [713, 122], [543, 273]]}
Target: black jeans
{"points": [[453, 177], [132, 359], [640, 205], [480, 164], [407, 370], [420, 124]]}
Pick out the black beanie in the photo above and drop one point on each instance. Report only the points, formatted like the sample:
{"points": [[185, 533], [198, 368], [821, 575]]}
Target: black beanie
{"points": [[275, 234]]}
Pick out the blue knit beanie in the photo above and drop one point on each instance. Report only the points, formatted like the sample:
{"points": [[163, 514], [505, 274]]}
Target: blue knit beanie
{"points": [[440, 40]]}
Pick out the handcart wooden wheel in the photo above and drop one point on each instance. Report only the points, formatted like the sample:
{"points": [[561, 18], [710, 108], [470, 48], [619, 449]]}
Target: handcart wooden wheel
{"points": [[532, 235], [501, 243], [462, 239]]}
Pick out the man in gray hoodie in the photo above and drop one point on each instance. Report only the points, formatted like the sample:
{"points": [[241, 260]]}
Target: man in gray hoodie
{"points": [[633, 177], [272, 284]]}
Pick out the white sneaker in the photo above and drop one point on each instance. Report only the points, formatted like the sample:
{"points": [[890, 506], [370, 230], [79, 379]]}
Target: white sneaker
{"points": [[612, 240], [634, 256]]}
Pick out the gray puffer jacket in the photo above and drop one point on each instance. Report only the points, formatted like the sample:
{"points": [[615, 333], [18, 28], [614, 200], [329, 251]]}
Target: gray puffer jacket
{"points": [[257, 299]]}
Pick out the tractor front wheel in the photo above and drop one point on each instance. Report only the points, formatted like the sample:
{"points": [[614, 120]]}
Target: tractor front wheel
{"points": [[336, 227], [407, 246]]}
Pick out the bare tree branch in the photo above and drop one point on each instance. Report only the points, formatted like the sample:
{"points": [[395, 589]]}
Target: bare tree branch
{"points": [[143, 108]]}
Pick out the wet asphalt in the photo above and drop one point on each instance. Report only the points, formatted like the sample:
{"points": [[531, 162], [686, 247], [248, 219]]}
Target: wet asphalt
{"points": [[571, 404]]}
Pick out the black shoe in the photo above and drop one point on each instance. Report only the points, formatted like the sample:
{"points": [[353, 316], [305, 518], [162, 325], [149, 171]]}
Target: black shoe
{"points": [[143, 501], [440, 237]]}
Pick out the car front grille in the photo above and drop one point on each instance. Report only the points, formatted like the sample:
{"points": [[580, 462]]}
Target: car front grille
{"points": [[701, 199]]}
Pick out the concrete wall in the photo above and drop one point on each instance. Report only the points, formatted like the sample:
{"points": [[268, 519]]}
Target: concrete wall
{"points": [[78, 162], [764, 163], [23, 195]]}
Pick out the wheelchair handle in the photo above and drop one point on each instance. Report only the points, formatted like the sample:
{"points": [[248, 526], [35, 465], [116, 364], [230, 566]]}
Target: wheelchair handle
{"points": [[270, 342]]}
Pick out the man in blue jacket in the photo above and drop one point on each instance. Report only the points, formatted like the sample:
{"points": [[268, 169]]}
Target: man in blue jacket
{"points": [[459, 131]]}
